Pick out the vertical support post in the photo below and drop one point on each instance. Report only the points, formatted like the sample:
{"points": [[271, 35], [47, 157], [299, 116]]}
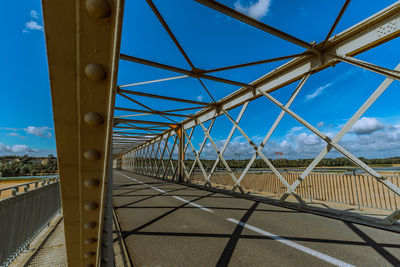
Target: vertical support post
{"points": [[83, 67], [355, 186], [107, 248], [309, 189], [181, 154]]}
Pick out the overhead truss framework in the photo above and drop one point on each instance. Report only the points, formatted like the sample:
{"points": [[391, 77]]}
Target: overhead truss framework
{"points": [[83, 66], [155, 149]]}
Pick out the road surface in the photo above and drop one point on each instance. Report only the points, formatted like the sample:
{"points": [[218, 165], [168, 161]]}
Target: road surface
{"points": [[167, 224]]}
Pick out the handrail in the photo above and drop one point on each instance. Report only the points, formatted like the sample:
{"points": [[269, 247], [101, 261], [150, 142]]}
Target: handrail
{"points": [[23, 216], [43, 181]]}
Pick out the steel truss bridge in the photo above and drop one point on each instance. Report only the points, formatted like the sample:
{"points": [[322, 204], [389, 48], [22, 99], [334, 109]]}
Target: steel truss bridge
{"points": [[83, 41]]}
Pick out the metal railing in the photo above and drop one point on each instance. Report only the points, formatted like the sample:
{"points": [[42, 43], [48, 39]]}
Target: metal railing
{"points": [[359, 190], [16, 189], [24, 214]]}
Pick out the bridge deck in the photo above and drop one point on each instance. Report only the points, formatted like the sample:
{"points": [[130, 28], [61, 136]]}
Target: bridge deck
{"points": [[168, 224]]}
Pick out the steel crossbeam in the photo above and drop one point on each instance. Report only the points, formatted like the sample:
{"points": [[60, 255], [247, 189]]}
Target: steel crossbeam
{"points": [[271, 131], [198, 153], [258, 151], [162, 154], [334, 142], [394, 74], [255, 23], [196, 156], [149, 154], [228, 139], [170, 152], [324, 137], [222, 159]]}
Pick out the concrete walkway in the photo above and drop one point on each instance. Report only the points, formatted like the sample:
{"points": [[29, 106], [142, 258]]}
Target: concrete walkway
{"points": [[167, 224]]}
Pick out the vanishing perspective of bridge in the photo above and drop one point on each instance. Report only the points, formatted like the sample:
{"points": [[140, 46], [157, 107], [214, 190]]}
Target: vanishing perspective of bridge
{"points": [[148, 175]]}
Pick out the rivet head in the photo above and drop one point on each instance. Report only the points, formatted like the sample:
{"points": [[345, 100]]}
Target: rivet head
{"points": [[93, 118], [89, 225], [91, 206], [92, 154], [90, 241], [89, 254], [95, 72], [98, 8], [91, 183]]}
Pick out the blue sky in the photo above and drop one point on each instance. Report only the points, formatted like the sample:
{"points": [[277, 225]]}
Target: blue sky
{"points": [[26, 125], [213, 40]]}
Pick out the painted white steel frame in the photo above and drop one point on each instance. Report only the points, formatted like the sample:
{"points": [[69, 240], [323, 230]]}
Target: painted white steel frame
{"points": [[375, 30]]}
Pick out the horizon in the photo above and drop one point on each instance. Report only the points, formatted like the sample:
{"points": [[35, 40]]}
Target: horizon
{"points": [[28, 128]]}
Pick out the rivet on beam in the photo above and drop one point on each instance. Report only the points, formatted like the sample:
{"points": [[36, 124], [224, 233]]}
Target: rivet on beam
{"points": [[89, 254], [91, 183], [90, 241], [92, 154], [91, 206], [89, 225], [93, 118], [98, 8], [95, 71]]}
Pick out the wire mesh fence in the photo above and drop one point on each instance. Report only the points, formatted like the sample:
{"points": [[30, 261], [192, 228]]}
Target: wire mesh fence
{"points": [[23, 216]]}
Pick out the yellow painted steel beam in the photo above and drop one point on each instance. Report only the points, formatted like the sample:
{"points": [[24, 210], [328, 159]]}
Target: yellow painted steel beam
{"points": [[83, 40]]}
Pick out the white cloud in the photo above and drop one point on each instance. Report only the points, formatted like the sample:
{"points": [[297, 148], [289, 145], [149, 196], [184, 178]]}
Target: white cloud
{"points": [[235, 150], [298, 143], [199, 98], [296, 129], [383, 143], [318, 91], [13, 134], [32, 25], [16, 149], [34, 14], [256, 9], [39, 131], [366, 125], [320, 124], [9, 129]]}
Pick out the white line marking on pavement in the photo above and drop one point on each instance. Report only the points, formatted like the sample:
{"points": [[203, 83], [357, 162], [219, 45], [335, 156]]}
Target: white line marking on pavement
{"points": [[162, 191], [193, 204], [307, 250]]}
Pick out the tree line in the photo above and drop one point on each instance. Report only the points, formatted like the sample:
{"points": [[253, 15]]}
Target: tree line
{"points": [[11, 166], [293, 163]]}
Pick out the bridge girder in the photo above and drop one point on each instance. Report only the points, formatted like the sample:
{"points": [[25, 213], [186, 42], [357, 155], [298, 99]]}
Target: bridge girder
{"points": [[83, 41]]}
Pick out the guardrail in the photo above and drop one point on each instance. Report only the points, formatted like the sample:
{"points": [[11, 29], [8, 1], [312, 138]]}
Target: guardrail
{"points": [[25, 213], [356, 189], [359, 190], [15, 189]]}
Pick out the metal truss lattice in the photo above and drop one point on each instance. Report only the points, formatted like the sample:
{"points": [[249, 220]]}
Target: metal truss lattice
{"points": [[158, 147]]}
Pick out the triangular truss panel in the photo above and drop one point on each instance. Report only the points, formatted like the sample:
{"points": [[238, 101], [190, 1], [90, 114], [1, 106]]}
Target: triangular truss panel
{"points": [[275, 91]]}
